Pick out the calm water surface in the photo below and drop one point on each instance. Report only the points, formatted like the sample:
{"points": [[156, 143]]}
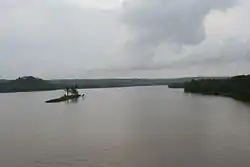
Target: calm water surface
{"points": [[128, 127]]}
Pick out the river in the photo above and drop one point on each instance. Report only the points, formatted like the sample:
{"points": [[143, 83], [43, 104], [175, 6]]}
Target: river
{"points": [[124, 127]]}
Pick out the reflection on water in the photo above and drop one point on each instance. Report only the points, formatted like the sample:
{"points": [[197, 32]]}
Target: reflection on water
{"points": [[129, 127], [75, 100]]}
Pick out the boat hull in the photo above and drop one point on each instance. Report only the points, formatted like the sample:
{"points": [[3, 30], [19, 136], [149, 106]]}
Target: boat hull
{"points": [[64, 98]]}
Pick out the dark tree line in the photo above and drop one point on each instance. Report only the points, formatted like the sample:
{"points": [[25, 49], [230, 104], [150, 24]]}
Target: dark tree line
{"points": [[26, 84], [236, 87]]}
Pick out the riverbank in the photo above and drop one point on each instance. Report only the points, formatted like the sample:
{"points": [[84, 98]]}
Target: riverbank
{"points": [[235, 87], [31, 84]]}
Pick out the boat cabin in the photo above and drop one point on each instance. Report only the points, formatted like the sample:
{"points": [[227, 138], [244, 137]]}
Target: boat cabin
{"points": [[71, 91]]}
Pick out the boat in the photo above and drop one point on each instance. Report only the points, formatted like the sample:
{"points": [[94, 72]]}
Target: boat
{"points": [[71, 94]]}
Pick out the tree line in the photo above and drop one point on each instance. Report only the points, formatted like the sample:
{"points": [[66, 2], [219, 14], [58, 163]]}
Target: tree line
{"points": [[237, 87]]}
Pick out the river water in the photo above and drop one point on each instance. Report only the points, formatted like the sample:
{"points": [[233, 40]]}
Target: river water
{"points": [[124, 127]]}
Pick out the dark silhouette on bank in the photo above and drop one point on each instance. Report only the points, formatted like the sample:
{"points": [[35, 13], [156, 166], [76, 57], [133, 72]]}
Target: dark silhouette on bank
{"points": [[29, 83], [237, 87], [26, 84]]}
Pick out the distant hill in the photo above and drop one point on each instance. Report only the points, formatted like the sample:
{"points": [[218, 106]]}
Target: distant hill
{"points": [[105, 83], [25, 84], [3, 80], [90, 83], [31, 83]]}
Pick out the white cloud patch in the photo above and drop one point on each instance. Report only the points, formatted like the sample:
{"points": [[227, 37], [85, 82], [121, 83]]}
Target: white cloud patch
{"points": [[54, 39], [143, 38], [164, 22]]}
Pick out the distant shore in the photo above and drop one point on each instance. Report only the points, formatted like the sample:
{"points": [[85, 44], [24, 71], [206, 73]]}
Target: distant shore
{"points": [[31, 84], [235, 87]]}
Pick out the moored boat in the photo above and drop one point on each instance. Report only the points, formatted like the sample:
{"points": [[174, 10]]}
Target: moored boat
{"points": [[70, 94], [64, 98]]}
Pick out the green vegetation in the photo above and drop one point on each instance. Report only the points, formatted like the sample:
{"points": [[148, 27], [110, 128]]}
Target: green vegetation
{"points": [[177, 85], [27, 84], [180, 83], [236, 87], [109, 83], [2, 80]]}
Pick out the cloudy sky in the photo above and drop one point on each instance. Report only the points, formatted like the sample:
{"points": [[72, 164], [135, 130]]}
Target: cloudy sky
{"points": [[124, 38]]}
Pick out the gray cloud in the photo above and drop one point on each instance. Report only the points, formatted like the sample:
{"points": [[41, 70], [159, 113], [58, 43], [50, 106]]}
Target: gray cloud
{"points": [[58, 39], [172, 21], [52, 38], [166, 21], [230, 51]]}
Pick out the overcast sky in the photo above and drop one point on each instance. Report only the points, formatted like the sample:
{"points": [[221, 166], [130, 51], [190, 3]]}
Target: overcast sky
{"points": [[129, 38]]}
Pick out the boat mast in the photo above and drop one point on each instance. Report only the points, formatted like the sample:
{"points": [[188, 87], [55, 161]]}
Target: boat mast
{"points": [[67, 91]]}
